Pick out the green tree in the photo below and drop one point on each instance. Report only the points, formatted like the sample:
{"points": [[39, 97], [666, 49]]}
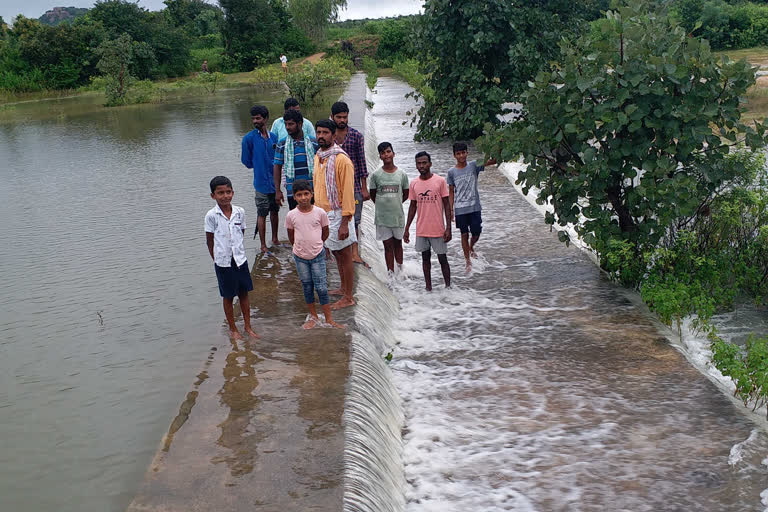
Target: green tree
{"points": [[626, 134], [115, 58], [313, 16], [479, 54]]}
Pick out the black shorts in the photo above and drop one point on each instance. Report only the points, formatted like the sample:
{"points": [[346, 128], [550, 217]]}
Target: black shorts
{"points": [[233, 280], [470, 222], [265, 203]]}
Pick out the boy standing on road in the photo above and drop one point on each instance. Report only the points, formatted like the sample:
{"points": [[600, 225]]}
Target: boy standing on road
{"points": [[307, 227], [465, 199], [258, 152], [429, 196], [389, 190], [224, 229]]}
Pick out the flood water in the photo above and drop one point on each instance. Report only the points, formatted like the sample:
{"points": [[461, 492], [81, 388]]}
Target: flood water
{"points": [[109, 305], [535, 384]]}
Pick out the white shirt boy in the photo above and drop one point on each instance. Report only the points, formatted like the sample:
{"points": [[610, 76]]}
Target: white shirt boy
{"points": [[227, 235]]}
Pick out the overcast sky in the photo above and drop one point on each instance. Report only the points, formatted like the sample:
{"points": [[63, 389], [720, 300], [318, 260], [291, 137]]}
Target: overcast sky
{"points": [[9, 9]]}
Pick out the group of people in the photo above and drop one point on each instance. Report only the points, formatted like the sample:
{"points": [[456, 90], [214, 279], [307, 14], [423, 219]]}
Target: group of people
{"points": [[324, 172]]}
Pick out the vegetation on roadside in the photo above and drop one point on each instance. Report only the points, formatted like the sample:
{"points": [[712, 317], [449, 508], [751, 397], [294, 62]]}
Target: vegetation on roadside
{"points": [[307, 82], [371, 69], [634, 136]]}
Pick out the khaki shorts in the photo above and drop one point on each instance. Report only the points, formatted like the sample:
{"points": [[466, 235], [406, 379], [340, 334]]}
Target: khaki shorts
{"points": [[426, 243], [385, 233]]}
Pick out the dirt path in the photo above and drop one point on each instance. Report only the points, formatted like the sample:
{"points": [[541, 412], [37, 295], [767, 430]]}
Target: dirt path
{"points": [[314, 59]]}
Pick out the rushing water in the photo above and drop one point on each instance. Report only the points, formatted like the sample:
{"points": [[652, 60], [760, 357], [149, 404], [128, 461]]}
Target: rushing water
{"points": [[109, 305], [535, 383]]}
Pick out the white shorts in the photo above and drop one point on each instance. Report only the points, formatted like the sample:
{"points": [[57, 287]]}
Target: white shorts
{"points": [[427, 243], [385, 233], [334, 222]]}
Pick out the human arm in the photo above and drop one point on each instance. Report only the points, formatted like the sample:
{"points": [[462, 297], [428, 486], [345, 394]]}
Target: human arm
{"points": [[290, 235], [345, 179], [411, 215], [246, 153], [451, 197], [209, 241], [277, 173], [372, 190], [361, 167], [447, 209], [404, 186], [490, 161], [372, 193]]}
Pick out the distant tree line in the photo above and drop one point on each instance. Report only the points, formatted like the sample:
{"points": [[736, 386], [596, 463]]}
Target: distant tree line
{"points": [[237, 35], [726, 25]]}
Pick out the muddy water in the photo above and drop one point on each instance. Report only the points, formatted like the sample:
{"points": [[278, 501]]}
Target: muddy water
{"points": [[109, 305], [536, 384]]}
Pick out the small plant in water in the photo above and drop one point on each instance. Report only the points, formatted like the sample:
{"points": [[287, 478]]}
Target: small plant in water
{"points": [[747, 366], [388, 357]]}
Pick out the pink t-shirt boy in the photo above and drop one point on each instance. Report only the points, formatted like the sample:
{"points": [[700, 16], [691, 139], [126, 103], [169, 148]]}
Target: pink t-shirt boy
{"points": [[429, 198], [307, 227], [307, 231]]}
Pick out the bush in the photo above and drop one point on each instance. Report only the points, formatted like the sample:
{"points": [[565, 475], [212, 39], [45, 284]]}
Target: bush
{"points": [[371, 72], [307, 83], [268, 75], [748, 367], [25, 81], [214, 56]]}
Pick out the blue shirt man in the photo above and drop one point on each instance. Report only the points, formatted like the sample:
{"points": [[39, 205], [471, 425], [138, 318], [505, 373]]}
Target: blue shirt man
{"points": [[258, 153]]}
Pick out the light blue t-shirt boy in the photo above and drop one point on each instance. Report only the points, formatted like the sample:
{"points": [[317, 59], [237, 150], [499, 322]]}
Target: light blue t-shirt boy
{"points": [[466, 197]]}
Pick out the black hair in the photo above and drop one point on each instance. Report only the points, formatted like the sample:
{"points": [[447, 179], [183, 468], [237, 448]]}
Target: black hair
{"points": [[423, 153], [260, 110], [290, 102], [326, 123], [294, 115], [219, 181], [459, 146], [300, 185], [338, 108], [383, 146]]}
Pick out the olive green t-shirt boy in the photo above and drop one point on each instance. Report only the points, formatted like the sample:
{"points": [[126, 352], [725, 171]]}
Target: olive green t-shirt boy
{"points": [[389, 188]]}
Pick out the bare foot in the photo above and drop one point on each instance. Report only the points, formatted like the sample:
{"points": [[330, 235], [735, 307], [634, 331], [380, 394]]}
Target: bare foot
{"points": [[311, 323], [235, 334], [429, 288], [337, 291], [472, 254], [335, 325], [252, 334], [361, 262], [265, 249], [276, 243], [344, 302], [468, 268]]}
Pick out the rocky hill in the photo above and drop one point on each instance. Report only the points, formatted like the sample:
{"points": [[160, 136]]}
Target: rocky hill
{"points": [[61, 15]]}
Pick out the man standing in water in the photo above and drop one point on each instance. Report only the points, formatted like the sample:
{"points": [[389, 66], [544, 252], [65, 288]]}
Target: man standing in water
{"points": [[429, 196], [294, 157], [335, 193], [353, 143], [258, 153], [278, 127]]}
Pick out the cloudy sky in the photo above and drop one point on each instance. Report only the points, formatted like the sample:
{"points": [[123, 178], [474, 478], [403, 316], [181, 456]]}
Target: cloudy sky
{"points": [[357, 8]]}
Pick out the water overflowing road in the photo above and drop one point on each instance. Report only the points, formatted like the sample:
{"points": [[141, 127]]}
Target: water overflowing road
{"points": [[536, 384]]}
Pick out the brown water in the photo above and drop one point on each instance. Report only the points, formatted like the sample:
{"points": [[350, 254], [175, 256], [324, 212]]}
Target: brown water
{"points": [[109, 306]]}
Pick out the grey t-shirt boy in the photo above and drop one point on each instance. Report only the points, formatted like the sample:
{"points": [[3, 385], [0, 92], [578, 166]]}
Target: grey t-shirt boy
{"points": [[466, 198]]}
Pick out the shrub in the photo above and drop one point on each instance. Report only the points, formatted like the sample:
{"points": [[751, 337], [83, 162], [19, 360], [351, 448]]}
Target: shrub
{"points": [[307, 83]]}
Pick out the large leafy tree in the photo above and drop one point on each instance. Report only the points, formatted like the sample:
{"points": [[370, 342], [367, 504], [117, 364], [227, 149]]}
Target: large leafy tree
{"points": [[627, 135], [479, 54], [313, 16]]}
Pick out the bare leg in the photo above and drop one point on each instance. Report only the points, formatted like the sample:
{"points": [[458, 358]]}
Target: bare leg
{"points": [[274, 219], [261, 222], [312, 322], [398, 244], [472, 243], [245, 308], [229, 312], [329, 318], [426, 265], [356, 250], [389, 254], [347, 275], [465, 247], [443, 259]]}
